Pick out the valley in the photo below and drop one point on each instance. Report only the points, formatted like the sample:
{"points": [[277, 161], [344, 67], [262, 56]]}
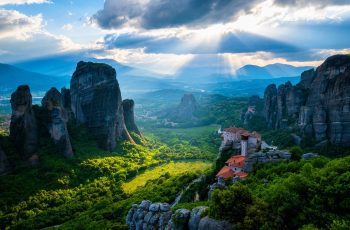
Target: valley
{"points": [[174, 115], [169, 147]]}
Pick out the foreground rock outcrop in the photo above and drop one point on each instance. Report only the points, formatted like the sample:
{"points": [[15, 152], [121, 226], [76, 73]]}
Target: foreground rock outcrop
{"points": [[96, 102], [318, 106], [148, 215], [57, 121], [23, 127]]}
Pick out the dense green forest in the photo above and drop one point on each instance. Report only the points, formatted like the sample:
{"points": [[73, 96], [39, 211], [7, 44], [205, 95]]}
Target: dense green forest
{"points": [[89, 190], [95, 189], [312, 194]]}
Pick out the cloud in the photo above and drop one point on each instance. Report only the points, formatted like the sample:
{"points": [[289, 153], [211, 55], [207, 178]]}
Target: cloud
{"points": [[38, 45], [164, 64], [311, 2], [67, 26], [117, 13], [228, 42], [168, 13], [20, 2], [17, 25], [23, 37], [155, 14]]}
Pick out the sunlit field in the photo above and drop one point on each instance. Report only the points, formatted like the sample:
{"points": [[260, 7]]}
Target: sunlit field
{"points": [[173, 169]]}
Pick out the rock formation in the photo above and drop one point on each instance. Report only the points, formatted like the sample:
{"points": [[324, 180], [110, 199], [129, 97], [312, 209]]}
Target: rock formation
{"points": [[184, 112], [96, 102], [270, 105], [195, 217], [66, 102], [57, 122], [210, 224], [318, 106], [129, 116], [4, 166], [23, 127], [255, 105], [148, 216], [159, 216]]}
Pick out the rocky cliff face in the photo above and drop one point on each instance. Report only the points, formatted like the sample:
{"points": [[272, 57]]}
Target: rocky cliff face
{"points": [[23, 127], [57, 123], [270, 105], [185, 110], [318, 106], [4, 166], [96, 102], [129, 116]]}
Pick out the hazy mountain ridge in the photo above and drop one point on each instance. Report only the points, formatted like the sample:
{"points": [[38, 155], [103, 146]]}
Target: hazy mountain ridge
{"points": [[276, 70], [12, 76]]}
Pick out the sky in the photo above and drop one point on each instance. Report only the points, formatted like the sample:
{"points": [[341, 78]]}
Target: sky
{"points": [[165, 35]]}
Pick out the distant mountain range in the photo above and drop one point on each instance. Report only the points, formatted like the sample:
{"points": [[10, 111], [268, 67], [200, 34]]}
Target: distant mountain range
{"points": [[11, 77], [44, 73], [277, 70], [65, 64]]}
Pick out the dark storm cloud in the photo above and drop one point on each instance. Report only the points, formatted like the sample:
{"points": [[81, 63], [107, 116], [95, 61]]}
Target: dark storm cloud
{"points": [[173, 13], [170, 13], [241, 42], [116, 13]]}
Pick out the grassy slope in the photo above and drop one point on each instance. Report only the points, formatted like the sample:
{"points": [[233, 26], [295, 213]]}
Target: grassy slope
{"points": [[173, 169]]}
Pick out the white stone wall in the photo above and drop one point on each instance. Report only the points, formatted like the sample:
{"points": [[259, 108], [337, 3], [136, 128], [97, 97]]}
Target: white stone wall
{"points": [[228, 136], [244, 148]]}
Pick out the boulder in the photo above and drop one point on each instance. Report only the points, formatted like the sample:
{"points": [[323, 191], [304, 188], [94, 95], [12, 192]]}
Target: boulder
{"points": [[96, 102], [207, 223], [23, 127], [164, 219], [145, 204], [179, 220], [164, 207], [195, 217], [148, 216], [154, 207], [57, 122]]}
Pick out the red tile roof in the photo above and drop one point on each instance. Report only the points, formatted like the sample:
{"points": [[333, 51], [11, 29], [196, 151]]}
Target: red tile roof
{"points": [[241, 174], [234, 130], [225, 172], [237, 160], [243, 132]]}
